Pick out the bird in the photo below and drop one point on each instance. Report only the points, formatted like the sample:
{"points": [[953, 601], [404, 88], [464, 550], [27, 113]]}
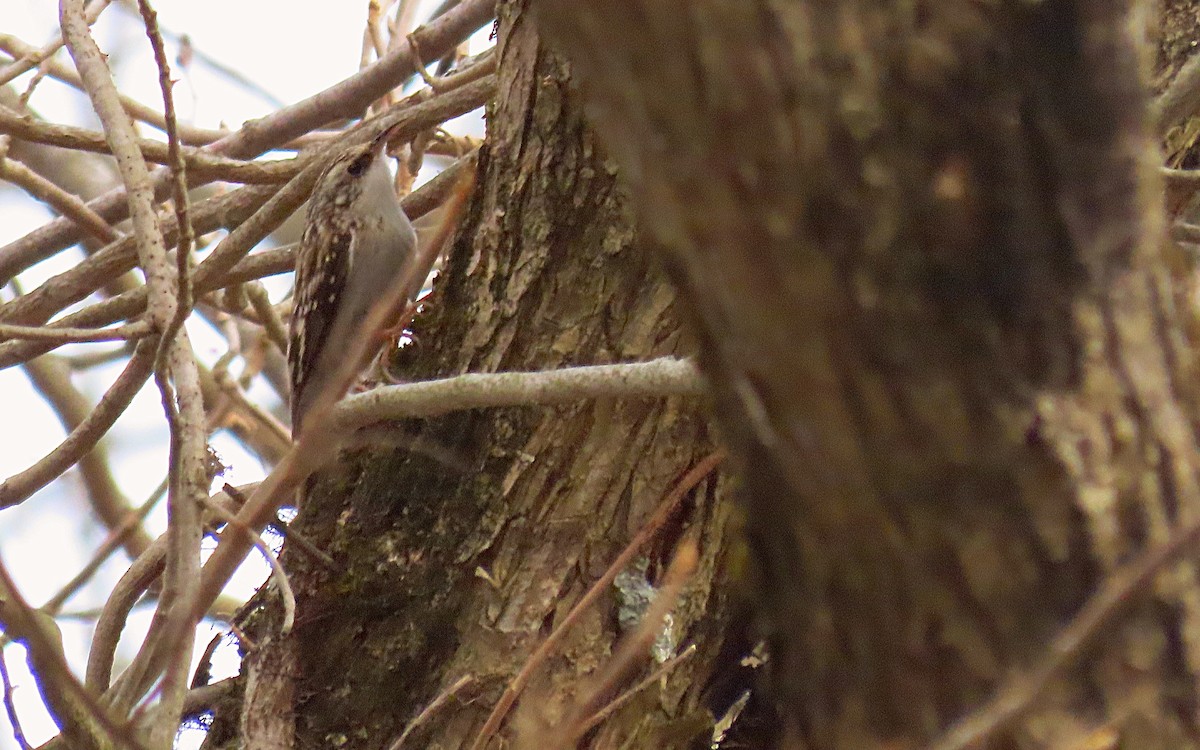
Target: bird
{"points": [[357, 245]]}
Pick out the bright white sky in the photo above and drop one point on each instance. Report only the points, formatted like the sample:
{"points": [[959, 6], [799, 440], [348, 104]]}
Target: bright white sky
{"points": [[289, 53]]}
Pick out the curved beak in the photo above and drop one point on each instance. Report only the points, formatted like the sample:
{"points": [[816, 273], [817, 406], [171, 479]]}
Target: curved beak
{"points": [[381, 140]]}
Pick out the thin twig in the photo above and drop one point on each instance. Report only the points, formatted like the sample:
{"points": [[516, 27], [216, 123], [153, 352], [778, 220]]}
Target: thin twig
{"points": [[116, 539], [191, 52], [654, 676], [649, 530], [268, 317], [62, 72], [281, 527], [83, 438], [234, 209], [434, 706], [1020, 692], [278, 574], [278, 433], [482, 64], [633, 649], [169, 301], [406, 13], [58, 199], [421, 71], [127, 332], [134, 582], [372, 41], [93, 358], [302, 544], [346, 98], [10, 706], [34, 58], [85, 722], [52, 379], [198, 161]]}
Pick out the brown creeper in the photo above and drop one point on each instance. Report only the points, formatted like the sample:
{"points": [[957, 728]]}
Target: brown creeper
{"points": [[357, 245]]}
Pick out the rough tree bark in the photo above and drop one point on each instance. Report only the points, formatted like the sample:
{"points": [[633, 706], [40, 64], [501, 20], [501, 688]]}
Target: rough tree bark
{"points": [[464, 546], [922, 243]]}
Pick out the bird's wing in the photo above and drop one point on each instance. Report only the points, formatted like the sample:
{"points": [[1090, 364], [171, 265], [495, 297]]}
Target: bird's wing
{"points": [[320, 280]]}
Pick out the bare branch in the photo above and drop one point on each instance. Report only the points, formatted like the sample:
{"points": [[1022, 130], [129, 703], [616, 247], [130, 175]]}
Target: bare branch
{"points": [[198, 161], [121, 139], [75, 284], [434, 706], [278, 574], [127, 332], [10, 706], [356, 93], [84, 437], [85, 722], [348, 98], [34, 58], [71, 286], [267, 314], [116, 539], [667, 376], [142, 572], [189, 475], [256, 427], [140, 112], [50, 376], [60, 200]]}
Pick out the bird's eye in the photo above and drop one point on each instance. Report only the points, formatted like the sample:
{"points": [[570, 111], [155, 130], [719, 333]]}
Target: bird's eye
{"points": [[360, 164]]}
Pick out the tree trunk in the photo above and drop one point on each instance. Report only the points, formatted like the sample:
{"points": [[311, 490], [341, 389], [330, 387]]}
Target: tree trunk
{"points": [[461, 549], [922, 243]]}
